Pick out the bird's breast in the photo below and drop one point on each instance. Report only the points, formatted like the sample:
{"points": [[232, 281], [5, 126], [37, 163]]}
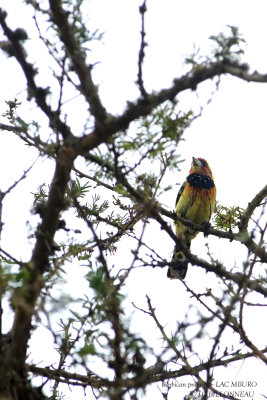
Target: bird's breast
{"points": [[200, 181], [202, 204]]}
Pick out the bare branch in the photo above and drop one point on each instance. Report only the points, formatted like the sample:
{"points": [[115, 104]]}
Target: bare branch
{"points": [[39, 93], [242, 236], [94, 381], [143, 106], [140, 82], [242, 72], [39, 263], [88, 88], [255, 202], [23, 176]]}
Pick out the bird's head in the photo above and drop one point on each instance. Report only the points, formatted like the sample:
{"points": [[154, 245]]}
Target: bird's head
{"points": [[200, 166]]}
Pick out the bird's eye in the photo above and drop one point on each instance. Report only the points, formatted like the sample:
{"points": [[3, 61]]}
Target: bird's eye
{"points": [[204, 163]]}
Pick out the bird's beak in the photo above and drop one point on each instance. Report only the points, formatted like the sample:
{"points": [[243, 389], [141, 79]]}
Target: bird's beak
{"points": [[196, 162]]}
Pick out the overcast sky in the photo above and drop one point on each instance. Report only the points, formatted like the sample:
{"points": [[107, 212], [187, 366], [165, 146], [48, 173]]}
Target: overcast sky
{"points": [[231, 133]]}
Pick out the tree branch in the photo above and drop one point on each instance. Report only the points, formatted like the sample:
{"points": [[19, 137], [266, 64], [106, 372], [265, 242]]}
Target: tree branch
{"points": [[255, 202], [39, 93], [143, 106], [241, 71], [95, 382], [141, 56], [60, 17], [242, 236], [25, 300]]}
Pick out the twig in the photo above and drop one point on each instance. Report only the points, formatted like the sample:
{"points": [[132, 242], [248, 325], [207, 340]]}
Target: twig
{"points": [[88, 88], [39, 93], [253, 204], [141, 56], [192, 370], [23, 176]]}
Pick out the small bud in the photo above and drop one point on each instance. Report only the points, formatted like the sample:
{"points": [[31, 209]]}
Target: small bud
{"points": [[20, 34]]}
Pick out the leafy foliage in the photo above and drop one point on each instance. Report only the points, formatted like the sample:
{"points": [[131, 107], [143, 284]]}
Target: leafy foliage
{"points": [[228, 46], [227, 218], [99, 217], [77, 18], [11, 113]]}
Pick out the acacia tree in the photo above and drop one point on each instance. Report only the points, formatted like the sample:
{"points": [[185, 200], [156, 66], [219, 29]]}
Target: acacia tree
{"points": [[101, 185]]}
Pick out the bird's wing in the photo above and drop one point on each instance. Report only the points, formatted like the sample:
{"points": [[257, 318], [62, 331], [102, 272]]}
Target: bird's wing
{"points": [[179, 193], [184, 201]]}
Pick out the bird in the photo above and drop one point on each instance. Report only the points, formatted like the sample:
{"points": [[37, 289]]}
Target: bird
{"points": [[195, 202]]}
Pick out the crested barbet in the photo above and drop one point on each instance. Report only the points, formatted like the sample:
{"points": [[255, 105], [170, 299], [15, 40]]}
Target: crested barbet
{"points": [[195, 202]]}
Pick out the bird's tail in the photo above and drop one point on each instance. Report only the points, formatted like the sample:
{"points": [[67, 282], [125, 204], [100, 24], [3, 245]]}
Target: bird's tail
{"points": [[179, 263]]}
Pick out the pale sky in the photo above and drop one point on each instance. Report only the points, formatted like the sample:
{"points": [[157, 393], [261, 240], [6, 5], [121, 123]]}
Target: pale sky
{"points": [[231, 135]]}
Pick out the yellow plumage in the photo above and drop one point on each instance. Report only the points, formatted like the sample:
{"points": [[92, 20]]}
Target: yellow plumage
{"points": [[195, 202]]}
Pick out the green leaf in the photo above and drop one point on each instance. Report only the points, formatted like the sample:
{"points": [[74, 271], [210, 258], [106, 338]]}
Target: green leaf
{"points": [[227, 218]]}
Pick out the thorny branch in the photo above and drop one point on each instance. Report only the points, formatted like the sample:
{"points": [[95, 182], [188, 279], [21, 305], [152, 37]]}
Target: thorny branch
{"points": [[140, 81], [94, 381], [39, 93], [88, 88], [193, 369], [105, 127], [153, 209]]}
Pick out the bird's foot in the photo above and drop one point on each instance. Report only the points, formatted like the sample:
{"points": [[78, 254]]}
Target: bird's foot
{"points": [[207, 226]]}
